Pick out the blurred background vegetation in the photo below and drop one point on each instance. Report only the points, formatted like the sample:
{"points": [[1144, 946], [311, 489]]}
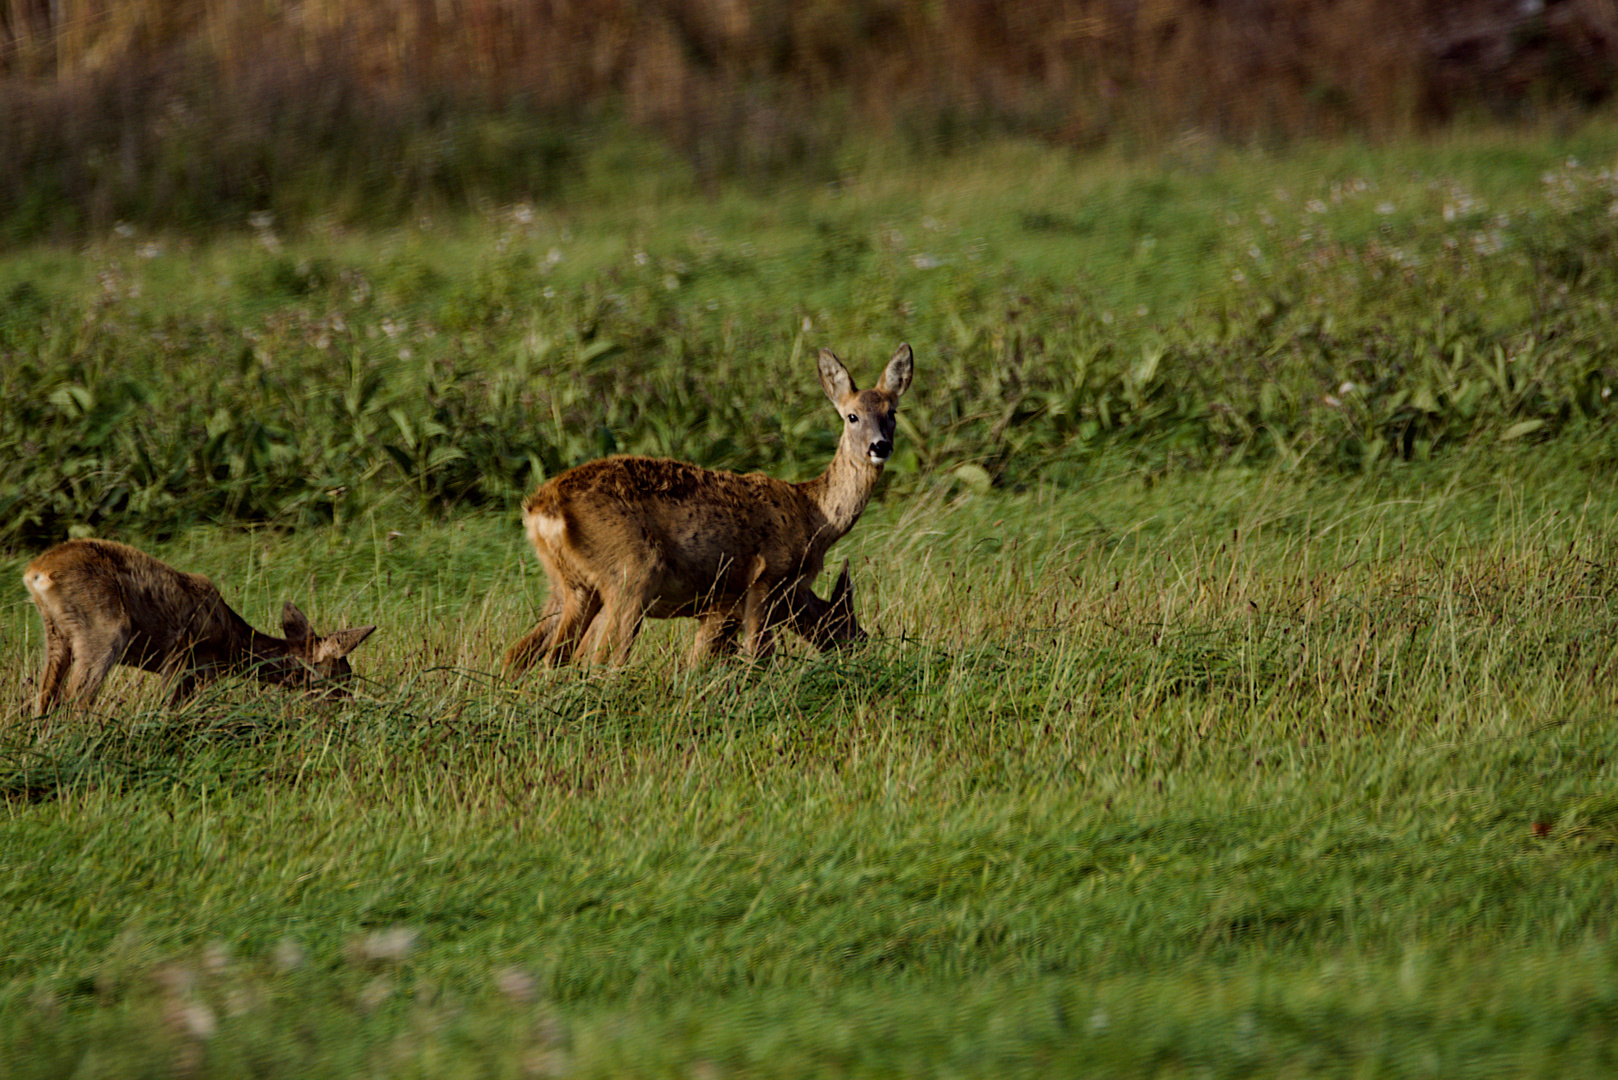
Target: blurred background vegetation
{"points": [[1243, 583], [187, 113], [292, 263]]}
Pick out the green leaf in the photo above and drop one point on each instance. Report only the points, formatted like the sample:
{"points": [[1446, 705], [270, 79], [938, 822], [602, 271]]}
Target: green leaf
{"points": [[974, 476], [73, 399], [405, 462]]}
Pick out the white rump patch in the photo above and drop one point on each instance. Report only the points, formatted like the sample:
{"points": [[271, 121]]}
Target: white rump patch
{"points": [[543, 528], [37, 581]]}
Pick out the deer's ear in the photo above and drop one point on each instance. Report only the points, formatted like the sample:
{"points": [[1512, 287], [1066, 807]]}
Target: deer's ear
{"points": [[341, 643], [834, 378], [294, 623], [842, 593], [896, 376]]}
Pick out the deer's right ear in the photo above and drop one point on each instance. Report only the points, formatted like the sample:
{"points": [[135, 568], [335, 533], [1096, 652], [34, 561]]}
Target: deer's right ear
{"points": [[834, 378], [294, 623], [341, 643]]}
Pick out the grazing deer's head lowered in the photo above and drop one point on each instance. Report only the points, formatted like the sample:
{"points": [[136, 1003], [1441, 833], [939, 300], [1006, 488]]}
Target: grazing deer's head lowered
{"points": [[105, 603], [624, 539]]}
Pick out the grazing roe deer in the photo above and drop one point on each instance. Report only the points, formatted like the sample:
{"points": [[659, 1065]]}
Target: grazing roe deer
{"points": [[624, 539], [105, 603]]}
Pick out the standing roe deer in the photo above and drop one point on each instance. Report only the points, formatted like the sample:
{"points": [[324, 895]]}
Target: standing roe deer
{"points": [[105, 603], [623, 539]]}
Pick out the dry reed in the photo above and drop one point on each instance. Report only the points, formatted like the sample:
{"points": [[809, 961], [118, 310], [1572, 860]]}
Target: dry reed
{"points": [[738, 86]]}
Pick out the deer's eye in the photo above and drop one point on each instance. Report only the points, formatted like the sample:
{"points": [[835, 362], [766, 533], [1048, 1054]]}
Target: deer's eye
{"points": [[852, 419]]}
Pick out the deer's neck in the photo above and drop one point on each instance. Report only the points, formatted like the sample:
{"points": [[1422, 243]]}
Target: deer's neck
{"points": [[216, 637], [841, 493], [242, 647], [262, 647]]}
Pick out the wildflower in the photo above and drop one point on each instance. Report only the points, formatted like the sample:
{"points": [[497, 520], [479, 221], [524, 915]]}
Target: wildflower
{"points": [[392, 944], [375, 993], [192, 1019], [516, 984]]}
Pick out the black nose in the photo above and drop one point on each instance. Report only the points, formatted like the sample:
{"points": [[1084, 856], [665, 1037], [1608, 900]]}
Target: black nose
{"points": [[882, 448]]}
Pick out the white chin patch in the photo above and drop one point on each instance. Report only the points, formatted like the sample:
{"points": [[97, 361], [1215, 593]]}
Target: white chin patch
{"points": [[876, 459]]}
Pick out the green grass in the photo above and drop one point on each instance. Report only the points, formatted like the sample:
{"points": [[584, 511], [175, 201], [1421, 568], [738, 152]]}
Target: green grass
{"points": [[1211, 775], [1334, 308], [1174, 753]]}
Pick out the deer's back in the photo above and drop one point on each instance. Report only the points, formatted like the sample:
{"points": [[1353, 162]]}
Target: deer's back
{"points": [[101, 585], [704, 527]]}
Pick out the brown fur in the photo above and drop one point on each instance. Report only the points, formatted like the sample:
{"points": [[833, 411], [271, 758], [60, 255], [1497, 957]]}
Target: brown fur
{"points": [[623, 539], [105, 603]]}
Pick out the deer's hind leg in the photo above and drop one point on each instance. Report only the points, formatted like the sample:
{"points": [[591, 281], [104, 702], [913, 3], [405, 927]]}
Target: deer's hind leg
{"points": [[567, 615], [580, 608], [615, 629], [532, 646], [58, 659], [95, 654], [625, 599]]}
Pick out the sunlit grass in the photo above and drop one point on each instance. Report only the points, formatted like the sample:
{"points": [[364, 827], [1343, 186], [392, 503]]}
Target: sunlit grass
{"points": [[1249, 771], [1241, 602], [1332, 308]]}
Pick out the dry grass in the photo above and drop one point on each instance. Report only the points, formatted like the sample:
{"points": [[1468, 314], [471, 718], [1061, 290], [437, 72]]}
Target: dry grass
{"points": [[1291, 67], [422, 96]]}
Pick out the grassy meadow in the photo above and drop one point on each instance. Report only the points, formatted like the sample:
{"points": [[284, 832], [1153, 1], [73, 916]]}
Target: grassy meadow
{"points": [[1242, 600]]}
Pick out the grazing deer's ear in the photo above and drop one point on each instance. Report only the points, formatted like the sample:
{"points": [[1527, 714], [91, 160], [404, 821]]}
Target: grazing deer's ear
{"points": [[834, 377], [842, 593], [341, 643], [294, 624], [896, 377]]}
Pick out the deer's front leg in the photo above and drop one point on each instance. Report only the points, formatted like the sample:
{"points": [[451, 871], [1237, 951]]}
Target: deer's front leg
{"points": [[185, 684], [758, 616], [716, 636]]}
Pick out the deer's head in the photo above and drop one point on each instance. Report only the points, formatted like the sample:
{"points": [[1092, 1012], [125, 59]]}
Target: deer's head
{"points": [[836, 627], [869, 416], [313, 661]]}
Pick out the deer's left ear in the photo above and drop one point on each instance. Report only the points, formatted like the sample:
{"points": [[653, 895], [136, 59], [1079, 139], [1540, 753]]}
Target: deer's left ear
{"points": [[896, 377], [842, 593], [294, 623]]}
